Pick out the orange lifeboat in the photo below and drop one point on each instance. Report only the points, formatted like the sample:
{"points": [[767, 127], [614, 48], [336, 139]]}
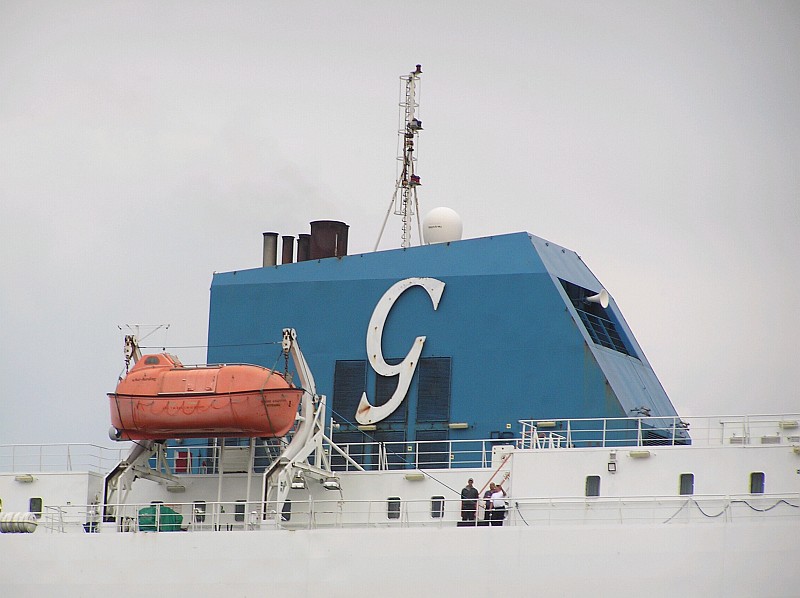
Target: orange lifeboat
{"points": [[161, 398]]}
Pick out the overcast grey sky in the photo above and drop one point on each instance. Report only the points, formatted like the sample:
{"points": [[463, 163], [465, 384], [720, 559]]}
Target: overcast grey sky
{"points": [[145, 145]]}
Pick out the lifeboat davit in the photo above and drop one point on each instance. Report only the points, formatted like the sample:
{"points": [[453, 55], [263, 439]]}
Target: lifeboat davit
{"points": [[161, 398]]}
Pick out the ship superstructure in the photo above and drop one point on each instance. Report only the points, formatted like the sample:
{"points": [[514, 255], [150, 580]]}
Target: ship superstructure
{"points": [[500, 360]]}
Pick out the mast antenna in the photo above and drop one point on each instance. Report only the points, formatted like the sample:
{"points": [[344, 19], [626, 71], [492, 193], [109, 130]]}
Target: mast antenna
{"points": [[404, 200]]}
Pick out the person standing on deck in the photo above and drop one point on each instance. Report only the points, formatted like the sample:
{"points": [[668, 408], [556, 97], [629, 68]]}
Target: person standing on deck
{"points": [[498, 505], [469, 501], [487, 514]]}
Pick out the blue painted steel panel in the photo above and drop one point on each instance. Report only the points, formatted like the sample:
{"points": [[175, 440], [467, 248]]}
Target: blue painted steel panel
{"points": [[517, 346]]}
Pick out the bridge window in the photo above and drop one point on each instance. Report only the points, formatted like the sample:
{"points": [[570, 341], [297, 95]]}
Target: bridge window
{"points": [[757, 482], [592, 485], [600, 322], [687, 484]]}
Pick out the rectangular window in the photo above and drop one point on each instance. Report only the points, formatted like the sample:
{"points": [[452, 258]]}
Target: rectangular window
{"points": [[199, 511], [598, 320], [757, 482], [437, 507], [687, 484], [239, 510], [35, 506], [286, 511], [592, 485], [393, 507]]}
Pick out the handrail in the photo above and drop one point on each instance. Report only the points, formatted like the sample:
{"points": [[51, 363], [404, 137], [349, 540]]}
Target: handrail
{"points": [[59, 457], [560, 434], [338, 513]]}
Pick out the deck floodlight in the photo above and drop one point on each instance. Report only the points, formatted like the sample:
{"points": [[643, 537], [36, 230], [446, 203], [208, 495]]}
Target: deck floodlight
{"points": [[639, 454], [331, 484]]}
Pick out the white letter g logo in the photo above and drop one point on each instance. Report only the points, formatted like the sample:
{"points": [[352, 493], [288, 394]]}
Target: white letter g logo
{"points": [[367, 413]]}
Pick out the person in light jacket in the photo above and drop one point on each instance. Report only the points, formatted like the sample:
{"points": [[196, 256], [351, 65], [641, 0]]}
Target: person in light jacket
{"points": [[498, 501]]}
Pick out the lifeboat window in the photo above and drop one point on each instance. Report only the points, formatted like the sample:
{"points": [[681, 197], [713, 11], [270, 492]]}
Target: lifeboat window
{"points": [[757, 482], [592, 485], [239, 508], [393, 507], [687, 484], [437, 507], [199, 511], [35, 506], [152, 360]]}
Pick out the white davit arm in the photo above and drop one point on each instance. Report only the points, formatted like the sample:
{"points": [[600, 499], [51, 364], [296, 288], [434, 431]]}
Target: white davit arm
{"points": [[306, 426], [291, 347]]}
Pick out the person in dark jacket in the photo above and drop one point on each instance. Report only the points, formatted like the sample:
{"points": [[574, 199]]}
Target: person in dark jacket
{"points": [[487, 514], [469, 501]]}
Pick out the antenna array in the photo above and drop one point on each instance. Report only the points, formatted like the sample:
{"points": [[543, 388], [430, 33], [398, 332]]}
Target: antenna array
{"points": [[404, 201]]}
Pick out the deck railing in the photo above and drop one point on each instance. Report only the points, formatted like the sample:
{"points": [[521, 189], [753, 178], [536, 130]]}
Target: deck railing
{"points": [[193, 457], [435, 512], [59, 457]]}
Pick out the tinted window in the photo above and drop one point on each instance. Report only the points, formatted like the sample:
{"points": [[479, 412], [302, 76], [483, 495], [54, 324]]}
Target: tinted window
{"points": [[239, 512], [757, 482], [437, 506], [687, 483], [592, 485], [35, 506], [393, 507]]}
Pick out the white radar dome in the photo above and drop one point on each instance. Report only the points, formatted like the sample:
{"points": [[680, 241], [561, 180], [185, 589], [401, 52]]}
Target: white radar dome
{"points": [[441, 225]]}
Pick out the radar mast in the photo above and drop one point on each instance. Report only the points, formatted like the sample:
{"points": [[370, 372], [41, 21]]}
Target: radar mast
{"points": [[404, 201]]}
